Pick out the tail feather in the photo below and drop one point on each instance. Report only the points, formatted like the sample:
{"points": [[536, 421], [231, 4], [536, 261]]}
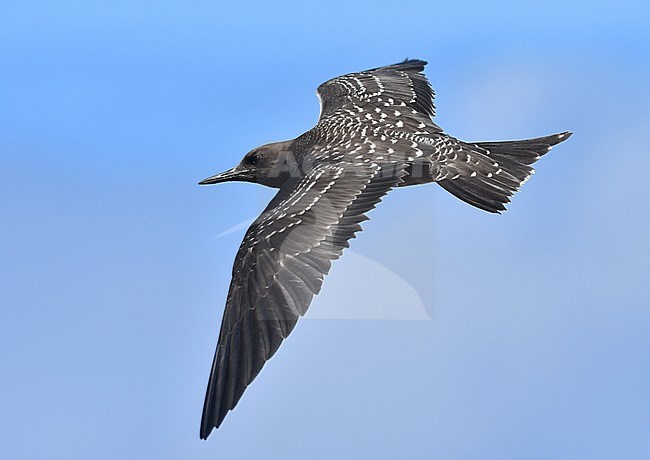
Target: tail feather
{"points": [[487, 174]]}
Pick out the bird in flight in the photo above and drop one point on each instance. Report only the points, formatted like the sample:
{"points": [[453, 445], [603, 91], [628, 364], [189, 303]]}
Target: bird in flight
{"points": [[374, 133]]}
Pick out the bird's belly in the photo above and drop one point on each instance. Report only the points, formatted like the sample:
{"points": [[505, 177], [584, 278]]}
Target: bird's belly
{"points": [[417, 173]]}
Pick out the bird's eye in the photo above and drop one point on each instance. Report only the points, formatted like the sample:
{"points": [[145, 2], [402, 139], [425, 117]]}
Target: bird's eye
{"points": [[254, 159]]}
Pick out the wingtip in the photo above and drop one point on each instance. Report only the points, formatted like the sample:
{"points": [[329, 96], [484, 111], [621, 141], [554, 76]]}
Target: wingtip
{"points": [[212, 418], [415, 64], [205, 432]]}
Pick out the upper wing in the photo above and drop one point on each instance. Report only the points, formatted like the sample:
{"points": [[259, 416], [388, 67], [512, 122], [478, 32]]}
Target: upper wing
{"points": [[280, 266], [398, 91]]}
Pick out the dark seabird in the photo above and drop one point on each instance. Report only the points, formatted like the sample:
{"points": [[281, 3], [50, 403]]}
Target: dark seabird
{"points": [[374, 133]]}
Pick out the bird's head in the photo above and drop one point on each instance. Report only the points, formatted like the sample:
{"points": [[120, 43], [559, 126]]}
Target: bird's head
{"points": [[269, 165]]}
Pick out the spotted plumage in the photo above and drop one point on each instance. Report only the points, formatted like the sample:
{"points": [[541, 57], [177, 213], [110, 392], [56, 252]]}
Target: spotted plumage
{"points": [[374, 133]]}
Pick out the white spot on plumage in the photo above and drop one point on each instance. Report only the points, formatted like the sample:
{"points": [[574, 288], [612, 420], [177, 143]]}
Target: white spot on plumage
{"points": [[397, 113], [399, 124], [489, 174], [473, 174]]}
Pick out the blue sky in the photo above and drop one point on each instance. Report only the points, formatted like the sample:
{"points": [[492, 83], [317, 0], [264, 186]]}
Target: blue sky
{"points": [[534, 342]]}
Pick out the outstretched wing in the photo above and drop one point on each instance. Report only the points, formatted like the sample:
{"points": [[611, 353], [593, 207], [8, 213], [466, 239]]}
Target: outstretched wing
{"points": [[280, 266], [384, 95]]}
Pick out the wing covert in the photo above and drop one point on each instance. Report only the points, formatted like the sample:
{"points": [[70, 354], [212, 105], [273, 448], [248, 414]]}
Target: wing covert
{"points": [[399, 87]]}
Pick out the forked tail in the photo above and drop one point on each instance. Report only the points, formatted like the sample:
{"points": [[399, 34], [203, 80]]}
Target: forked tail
{"points": [[487, 174]]}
